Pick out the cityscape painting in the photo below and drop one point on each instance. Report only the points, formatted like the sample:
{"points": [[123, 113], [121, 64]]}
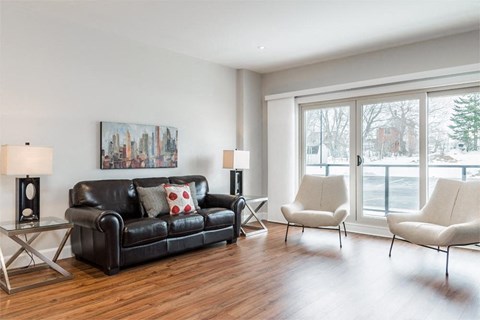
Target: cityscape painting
{"points": [[132, 146]]}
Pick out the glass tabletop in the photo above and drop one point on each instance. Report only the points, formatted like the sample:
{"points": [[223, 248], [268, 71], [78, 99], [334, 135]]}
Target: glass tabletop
{"points": [[44, 224], [255, 198]]}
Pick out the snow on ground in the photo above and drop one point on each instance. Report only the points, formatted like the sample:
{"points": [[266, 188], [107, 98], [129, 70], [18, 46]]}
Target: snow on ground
{"points": [[408, 166]]}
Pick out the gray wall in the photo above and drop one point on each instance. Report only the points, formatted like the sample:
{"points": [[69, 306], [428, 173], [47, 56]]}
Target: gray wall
{"points": [[451, 51]]}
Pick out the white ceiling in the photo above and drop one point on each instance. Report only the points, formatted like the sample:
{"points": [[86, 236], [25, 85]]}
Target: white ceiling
{"points": [[293, 32]]}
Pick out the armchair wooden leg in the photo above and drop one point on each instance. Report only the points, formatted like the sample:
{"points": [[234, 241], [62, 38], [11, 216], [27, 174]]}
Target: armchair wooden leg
{"points": [[340, 236], [391, 246], [303, 229], [344, 228], [286, 233]]}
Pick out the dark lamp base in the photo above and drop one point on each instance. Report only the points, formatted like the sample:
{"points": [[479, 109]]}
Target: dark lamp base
{"points": [[236, 182], [28, 199]]}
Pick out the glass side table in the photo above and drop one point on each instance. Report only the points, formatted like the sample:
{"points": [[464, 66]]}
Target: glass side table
{"points": [[261, 200], [18, 232]]}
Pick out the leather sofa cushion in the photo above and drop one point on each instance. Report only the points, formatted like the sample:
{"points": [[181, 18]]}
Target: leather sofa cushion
{"points": [[116, 195], [183, 224], [150, 182], [216, 218], [142, 231]]}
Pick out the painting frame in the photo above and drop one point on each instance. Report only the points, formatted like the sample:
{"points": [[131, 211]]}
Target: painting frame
{"points": [[137, 146]]}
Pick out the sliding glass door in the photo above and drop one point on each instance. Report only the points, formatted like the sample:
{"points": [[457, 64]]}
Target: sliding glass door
{"points": [[393, 148], [388, 159]]}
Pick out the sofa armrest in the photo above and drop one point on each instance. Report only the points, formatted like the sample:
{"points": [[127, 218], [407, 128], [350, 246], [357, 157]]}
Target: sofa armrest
{"points": [[97, 236], [221, 201], [93, 218], [234, 203]]}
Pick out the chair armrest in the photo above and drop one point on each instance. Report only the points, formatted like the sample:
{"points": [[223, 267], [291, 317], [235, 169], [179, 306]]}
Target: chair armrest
{"points": [[342, 212], [396, 217], [93, 218], [461, 233], [288, 209]]}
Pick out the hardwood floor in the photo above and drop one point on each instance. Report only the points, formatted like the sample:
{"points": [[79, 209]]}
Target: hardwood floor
{"points": [[261, 277]]}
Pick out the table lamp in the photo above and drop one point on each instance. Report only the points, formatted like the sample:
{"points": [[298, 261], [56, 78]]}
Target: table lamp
{"points": [[236, 160], [26, 160]]}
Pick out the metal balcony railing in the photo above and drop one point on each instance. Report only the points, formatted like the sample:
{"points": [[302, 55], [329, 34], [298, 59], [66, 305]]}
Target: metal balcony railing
{"points": [[387, 178]]}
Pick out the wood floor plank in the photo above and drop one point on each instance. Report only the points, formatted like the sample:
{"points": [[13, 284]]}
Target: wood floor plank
{"points": [[262, 277]]}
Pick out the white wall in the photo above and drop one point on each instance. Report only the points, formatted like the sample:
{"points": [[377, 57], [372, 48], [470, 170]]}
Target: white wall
{"points": [[249, 128], [59, 80], [283, 155]]}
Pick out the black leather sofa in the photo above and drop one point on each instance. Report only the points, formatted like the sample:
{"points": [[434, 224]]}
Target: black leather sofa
{"points": [[112, 230]]}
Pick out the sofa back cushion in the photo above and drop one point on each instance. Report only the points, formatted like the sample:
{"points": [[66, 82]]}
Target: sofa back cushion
{"points": [[150, 182], [117, 195], [201, 185]]}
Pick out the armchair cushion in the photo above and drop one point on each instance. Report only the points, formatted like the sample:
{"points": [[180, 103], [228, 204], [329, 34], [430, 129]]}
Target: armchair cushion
{"points": [[320, 201], [450, 217], [314, 218]]}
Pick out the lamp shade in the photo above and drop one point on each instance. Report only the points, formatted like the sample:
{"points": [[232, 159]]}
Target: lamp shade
{"points": [[236, 159], [26, 160]]}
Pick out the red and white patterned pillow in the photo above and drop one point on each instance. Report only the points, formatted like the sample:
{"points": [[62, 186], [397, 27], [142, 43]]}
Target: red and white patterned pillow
{"points": [[179, 199]]}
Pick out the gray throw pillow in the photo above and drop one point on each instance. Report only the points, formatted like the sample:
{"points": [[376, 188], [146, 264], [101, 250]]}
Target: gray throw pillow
{"points": [[193, 193], [154, 200]]}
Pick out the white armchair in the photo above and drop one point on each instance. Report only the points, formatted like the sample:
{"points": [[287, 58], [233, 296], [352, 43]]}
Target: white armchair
{"points": [[320, 202], [450, 218]]}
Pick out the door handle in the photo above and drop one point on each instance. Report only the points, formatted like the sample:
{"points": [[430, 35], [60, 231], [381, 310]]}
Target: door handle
{"points": [[359, 160]]}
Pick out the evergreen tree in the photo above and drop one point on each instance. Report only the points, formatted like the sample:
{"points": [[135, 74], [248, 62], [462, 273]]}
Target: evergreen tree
{"points": [[466, 121]]}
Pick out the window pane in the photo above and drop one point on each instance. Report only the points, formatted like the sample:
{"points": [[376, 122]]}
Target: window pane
{"points": [[390, 151], [454, 137], [327, 140]]}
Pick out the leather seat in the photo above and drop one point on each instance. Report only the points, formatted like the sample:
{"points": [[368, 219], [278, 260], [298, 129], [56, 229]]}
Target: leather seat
{"points": [[216, 218], [142, 231], [183, 224]]}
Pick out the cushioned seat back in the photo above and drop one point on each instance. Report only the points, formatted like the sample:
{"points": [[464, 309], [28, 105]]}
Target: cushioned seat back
{"points": [[439, 207], [453, 202], [467, 206], [201, 185], [116, 195], [322, 193], [150, 182]]}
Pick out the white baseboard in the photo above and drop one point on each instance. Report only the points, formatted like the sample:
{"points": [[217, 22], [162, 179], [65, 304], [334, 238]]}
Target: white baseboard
{"points": [[360, 228]]}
